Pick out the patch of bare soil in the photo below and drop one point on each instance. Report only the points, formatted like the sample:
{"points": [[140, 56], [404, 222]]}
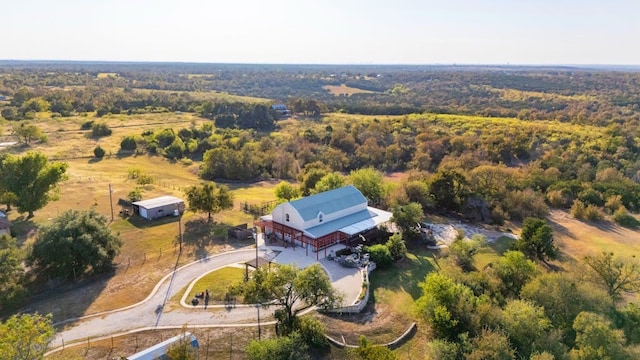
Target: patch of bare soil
{"points": [[377, 322]]}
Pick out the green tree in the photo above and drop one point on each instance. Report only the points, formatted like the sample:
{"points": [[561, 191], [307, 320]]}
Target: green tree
{"points": [[526, 324], [490, 345], [370, 183], [408, 217], [31, 178], [209, 198], [536, 239], [449, 189], [285, 287], [328, 182], [596, 340], [514, 270], [447, 306], [462, 250], [310, 175], [396, 246], [29, 133], [25, 337], [563, 298], [285, 191], [617, 275], [12, 289], [75, 243], [368, 351], [280, 348]]}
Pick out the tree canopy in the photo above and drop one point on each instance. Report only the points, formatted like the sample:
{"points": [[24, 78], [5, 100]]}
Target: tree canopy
{"points": [[25, 337], [286, 285], [536, 239], [31, 179], [616, 274], [74, 244], [209, 198], [11, 273]]}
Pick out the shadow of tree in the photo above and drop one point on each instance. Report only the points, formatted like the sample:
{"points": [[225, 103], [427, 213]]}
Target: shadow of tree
{"points": [[201, 234]]}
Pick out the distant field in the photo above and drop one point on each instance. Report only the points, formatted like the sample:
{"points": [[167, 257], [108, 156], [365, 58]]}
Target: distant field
{"points": [[345, 90], [106, 75]]}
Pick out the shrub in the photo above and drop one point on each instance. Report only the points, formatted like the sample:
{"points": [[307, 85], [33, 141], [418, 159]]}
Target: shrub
{"points": [[312, 331], [128, 143], [98, 151], [379, 254], [343, 252], [589, 212], [86, 125], [396, 246], [135, 195], [623, 218], [100, 129]]}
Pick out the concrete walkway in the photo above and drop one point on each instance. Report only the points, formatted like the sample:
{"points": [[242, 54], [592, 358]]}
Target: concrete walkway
{"points": [[153, 312]]}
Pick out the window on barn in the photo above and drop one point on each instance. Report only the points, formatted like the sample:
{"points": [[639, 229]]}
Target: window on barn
{"points": [[286, 217]]}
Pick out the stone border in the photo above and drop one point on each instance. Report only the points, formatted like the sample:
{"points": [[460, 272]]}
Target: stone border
{"points": [[391, 345]]}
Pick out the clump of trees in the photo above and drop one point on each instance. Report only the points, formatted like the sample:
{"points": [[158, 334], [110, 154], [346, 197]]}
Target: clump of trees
{"points": [[74, 245]]}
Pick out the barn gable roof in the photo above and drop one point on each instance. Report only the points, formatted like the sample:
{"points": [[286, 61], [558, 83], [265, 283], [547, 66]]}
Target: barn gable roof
{"points": [[158, 202], [328, 202]]}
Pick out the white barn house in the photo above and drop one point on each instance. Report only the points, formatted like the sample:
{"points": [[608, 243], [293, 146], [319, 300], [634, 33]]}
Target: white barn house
{"points": [[323, 219]]}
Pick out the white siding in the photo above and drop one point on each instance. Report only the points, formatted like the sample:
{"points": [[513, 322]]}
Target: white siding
{"points": [[143, 213]]}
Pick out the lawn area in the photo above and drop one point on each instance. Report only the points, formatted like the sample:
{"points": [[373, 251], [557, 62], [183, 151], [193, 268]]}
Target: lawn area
{"points": [[217, 282], [391, 307], [492, 251]]}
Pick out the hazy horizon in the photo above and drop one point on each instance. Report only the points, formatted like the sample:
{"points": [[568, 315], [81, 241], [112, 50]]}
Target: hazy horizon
{"points": [[346, 32]]}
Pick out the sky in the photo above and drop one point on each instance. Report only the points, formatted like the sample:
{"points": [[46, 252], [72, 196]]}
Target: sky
{"points": [[527, 32]]}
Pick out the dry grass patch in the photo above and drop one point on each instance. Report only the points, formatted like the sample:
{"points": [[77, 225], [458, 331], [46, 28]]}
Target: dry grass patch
{"points": [[343, 89]]}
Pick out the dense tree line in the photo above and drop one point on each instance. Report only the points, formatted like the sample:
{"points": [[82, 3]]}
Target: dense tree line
{"points": [[579, 95]]}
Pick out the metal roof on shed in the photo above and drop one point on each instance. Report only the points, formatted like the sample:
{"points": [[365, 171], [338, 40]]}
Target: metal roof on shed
{"points": [[158, 202]]}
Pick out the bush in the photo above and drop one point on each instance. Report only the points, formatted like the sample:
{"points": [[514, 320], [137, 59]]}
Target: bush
{"points": [[135, 195], [379, 254], [586, 213], [343, 252], [100, 129], [396, 246], [98, 151], [623, 218], [312, 331], [86, 125], [128, 143]]}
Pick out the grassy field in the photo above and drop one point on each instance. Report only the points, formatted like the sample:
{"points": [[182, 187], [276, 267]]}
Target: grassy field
{"points": [[345, 90], [216, 282]]}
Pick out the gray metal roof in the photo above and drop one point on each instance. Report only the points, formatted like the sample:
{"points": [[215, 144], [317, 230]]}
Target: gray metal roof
{"points": [[328, 202], [352, 224], [158, 202]]}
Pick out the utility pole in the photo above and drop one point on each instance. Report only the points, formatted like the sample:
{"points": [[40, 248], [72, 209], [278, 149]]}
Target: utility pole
{"points": [[111, 201]]}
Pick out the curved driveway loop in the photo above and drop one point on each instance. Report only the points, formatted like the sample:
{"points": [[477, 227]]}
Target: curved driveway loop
{"points": [[152, 313]]}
